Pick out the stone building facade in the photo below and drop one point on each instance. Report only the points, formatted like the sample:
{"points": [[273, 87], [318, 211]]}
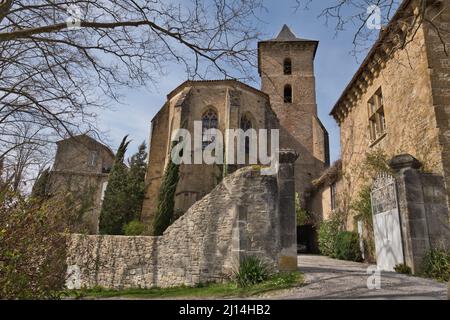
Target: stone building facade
{"points": [[324, 193], [82, 166], [398, 102], [222, 105], [287, 102], [394, 120]]}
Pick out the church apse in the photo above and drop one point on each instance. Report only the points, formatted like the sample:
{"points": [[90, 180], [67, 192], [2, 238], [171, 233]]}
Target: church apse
{"points": [[221, 105]]}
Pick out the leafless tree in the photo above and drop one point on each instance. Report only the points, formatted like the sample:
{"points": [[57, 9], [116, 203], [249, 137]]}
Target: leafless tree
{"points": [[52, 68], [357, 15], [29, 157]]}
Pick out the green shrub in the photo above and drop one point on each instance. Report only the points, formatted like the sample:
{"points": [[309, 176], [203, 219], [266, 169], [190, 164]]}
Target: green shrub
{"points": [[134, 228], [436, 264], [328, 231], [403, 269], [32, 246], [347, 246], [251, 271], [303, 216]]}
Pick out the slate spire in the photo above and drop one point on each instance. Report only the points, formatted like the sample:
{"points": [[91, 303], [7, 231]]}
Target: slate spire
{"points": [[286, 34]]}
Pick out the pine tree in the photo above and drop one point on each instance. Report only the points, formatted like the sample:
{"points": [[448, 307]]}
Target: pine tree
{"points": [[114, 213], [136, 182], [40, 187]]}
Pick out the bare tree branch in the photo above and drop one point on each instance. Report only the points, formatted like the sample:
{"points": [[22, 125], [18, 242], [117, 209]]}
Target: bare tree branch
{"points": [[55, 78], [354, 14]]}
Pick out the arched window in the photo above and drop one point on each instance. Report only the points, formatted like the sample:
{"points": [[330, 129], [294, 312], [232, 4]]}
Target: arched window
{"points": [[287, 66], [209, 121], [287, 94], [246, 124]]}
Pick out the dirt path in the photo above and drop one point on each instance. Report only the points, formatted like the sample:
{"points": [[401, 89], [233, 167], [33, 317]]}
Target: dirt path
{"points": [[333, 279]]}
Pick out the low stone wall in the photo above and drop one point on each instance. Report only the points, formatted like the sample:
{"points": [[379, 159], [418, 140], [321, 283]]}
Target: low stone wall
{"points": [[111, 261], [239, 217]]}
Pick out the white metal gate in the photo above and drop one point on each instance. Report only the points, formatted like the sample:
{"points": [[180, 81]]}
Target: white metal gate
{"points": [[386, 223]]}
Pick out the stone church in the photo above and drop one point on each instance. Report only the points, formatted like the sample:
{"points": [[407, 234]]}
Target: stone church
{"points": [[286, 101]]}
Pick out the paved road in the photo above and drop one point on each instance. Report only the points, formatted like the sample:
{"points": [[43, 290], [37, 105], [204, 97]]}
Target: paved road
{"points": [[333, 279]]}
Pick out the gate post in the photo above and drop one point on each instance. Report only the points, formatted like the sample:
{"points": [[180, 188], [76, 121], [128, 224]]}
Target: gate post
{"points": [[286, 211], [412, 209]]}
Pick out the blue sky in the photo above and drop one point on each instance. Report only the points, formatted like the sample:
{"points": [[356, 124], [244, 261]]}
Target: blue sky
{"points": [[334, 67]]}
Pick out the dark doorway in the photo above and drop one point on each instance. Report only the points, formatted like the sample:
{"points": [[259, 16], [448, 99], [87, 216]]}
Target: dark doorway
{"points": [[307, 239]]}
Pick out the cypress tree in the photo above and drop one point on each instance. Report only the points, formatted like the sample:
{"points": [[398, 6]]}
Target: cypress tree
{"points": [[114, 211], [136, 182], [165, 210]]}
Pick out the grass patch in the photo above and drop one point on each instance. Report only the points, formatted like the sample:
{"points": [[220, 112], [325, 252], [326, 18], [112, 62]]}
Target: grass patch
{"points": [[214, 290], [436, 264]]}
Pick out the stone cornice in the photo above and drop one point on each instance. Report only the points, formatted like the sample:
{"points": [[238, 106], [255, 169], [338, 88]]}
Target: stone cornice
{"points": [[214, 83], [375, 61]]}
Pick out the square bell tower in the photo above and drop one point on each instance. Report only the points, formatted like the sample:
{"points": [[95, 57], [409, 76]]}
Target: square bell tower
{"points": [[286, 68]]}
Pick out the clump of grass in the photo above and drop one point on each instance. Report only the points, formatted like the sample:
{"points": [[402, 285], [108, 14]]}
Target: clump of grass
{"points": [[251, 271], [436, 264], [403, 269]]}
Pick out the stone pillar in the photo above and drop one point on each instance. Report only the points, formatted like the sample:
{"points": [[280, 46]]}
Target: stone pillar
{"points": [[412, 209], [286, 211], [232, 122]]}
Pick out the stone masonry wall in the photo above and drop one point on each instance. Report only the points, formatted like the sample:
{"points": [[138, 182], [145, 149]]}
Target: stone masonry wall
{"points": [[415, 86], [238, 218], [410, 119], [439, 69]]}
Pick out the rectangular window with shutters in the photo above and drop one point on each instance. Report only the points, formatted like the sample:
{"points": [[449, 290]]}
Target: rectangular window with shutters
{"points": [[377, 120]]}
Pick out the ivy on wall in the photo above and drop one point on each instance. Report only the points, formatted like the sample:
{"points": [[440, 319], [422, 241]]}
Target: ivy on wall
{"points": [[303, 216], [374, 163]]}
